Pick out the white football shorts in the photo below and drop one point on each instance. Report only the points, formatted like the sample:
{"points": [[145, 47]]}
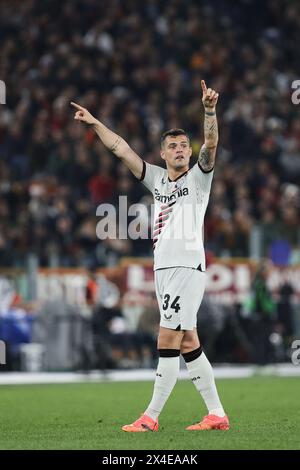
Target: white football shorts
{"points": [[179, 293]]}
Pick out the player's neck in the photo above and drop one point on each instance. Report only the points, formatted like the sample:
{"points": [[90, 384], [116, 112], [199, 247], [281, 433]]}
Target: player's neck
{"points": [[174, 174]]}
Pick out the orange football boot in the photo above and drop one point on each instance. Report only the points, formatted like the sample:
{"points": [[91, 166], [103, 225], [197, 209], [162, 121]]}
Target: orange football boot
{"points": [[211, 422], [143, 424]]}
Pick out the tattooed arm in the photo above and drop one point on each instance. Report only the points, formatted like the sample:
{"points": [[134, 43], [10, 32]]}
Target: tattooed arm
{"points": [[112, 141], [208, 150]]}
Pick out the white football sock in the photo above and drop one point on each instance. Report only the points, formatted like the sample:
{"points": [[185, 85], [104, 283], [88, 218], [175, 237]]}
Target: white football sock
{"points": [[201, 373], [166, 377]]}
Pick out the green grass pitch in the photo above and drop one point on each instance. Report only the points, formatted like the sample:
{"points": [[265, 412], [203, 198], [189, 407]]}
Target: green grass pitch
{"points": [[264, 414]]}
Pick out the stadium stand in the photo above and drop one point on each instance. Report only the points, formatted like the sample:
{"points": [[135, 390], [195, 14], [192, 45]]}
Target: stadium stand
{"points": [[54, 173]]}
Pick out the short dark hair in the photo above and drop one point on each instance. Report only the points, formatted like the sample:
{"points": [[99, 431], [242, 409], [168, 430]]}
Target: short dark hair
{"points": [[172, 133]]}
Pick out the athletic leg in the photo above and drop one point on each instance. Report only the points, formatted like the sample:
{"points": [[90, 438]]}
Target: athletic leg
{"points": [[201, 373], [169, 342], [167, 370]]}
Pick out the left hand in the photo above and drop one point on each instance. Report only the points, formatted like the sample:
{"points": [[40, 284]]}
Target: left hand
{"points": [[209, 98]]}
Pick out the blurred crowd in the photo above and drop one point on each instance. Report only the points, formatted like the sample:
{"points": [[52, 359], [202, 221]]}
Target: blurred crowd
{"points": [[121, 332], [137, 66]]}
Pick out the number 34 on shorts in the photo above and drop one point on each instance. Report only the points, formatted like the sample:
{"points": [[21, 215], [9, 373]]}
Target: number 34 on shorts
{"points": [[179, 293], [168, 305]]}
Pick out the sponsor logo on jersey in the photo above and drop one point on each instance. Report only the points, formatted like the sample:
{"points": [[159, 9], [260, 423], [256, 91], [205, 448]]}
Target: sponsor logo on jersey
{"points": [[172, 197]]}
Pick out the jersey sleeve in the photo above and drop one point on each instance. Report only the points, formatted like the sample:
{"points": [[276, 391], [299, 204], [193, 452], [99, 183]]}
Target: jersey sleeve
{"points": [[203, 178], [150, 174]]}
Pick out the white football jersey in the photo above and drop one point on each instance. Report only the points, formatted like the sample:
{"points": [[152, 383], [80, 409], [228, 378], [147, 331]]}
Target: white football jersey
{"points": [[179, 209]]}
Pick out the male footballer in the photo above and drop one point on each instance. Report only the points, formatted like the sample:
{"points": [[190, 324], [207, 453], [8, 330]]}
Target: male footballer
{"points": [[181, 196]]}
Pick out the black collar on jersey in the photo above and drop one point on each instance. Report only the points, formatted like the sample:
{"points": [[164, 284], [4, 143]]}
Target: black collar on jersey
{"points": [[178, 177]]}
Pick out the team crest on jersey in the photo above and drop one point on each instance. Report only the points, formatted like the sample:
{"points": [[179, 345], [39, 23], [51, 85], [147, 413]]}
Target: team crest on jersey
{"points": [[180, 183]]}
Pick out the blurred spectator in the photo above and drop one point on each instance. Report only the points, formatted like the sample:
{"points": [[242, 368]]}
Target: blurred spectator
{"points": [[15, 330], [147, 331], [285, 316], [114, 343], [92, 293], [211, 320], [261, 310]]}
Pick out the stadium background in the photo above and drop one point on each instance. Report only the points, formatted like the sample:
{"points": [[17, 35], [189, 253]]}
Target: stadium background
{"points": [[69, 301]]}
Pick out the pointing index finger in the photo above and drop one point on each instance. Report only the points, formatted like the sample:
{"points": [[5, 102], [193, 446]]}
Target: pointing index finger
{"points": [[77, 106], [203, 85]]}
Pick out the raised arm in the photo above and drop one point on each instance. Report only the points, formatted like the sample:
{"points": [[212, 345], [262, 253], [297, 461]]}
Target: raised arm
{"points": [[112, 141], [208, 150]]}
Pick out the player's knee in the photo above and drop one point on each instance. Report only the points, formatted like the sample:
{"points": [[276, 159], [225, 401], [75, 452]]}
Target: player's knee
{"points": [[190, 342], [169, 340], [189, 345]]}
